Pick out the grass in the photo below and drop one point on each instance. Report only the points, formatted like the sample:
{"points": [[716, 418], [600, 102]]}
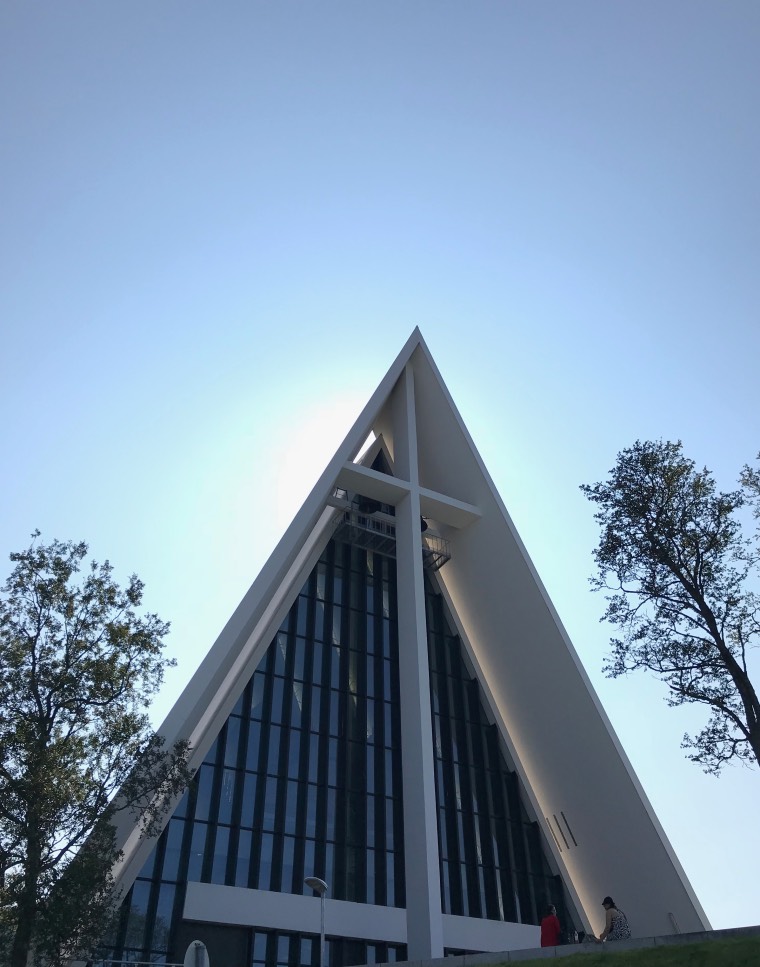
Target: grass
{"points": [[742, 952]]}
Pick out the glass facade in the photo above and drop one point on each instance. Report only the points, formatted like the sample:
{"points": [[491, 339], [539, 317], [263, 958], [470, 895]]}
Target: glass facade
{"points": [[492, 861], [305, 779]]}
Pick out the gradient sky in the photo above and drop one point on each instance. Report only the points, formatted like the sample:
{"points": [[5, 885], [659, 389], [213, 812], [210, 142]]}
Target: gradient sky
{"points": [[219, 223]]}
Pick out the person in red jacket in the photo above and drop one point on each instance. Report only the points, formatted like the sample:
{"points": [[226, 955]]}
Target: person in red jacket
{"points": [[550, 929]]}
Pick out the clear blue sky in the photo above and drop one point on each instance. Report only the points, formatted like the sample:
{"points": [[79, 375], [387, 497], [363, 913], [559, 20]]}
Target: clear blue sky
{"points": [[219, 222]]}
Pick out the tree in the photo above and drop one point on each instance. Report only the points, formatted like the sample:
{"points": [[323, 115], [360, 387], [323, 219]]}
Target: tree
{"points": [[673, 555], [78, 667]]}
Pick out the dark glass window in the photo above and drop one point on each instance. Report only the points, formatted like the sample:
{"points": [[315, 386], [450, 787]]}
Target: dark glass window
{"points": [[226, 796], [248, 804], [323, 698], [257, 695], [231, 745], [243, 864], [138, 914], [173, 849], [197, 849], [163, 920], [221, 851], [205, 779], [491, 854], [265, 863]]}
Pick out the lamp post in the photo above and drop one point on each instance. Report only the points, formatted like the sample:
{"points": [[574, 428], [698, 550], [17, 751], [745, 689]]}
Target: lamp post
{"points": [[320, 887]]}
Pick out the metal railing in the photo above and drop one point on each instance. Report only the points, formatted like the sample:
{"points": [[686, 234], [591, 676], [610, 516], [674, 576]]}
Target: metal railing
{"points": [[377, 532]]}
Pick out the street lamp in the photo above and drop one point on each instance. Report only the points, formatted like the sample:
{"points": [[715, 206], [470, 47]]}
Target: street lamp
{"points": [[320, 887]]}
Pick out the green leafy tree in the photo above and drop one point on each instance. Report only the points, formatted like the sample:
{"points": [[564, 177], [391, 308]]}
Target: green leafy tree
{"points": [[78, 667], [750, 480], [679, 573]]}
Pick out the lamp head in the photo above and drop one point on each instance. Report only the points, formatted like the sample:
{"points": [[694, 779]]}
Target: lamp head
{"points": [[319, 886]]}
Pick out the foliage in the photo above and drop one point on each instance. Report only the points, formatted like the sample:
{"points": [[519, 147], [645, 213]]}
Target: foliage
{"points": [[78, 667], [750, 481], [673, 554]]}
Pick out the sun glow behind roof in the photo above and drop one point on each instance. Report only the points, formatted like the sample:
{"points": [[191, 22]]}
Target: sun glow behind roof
{"points": [[306, 449]]}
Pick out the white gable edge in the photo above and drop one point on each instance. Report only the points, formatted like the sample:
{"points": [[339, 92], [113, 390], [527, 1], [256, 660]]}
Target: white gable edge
{"points": [[217, 684], [215, 687], [639, 790], [137, 847]]}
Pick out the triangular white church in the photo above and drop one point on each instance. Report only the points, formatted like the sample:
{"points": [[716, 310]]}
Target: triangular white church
{"points": [[395, 708]]}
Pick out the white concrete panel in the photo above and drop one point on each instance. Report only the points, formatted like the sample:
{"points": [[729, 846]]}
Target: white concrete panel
{"points": [[232, 905], [543, 701], [447, 510], [423, 890], [211, 903], [467, 933], [372, 483]]}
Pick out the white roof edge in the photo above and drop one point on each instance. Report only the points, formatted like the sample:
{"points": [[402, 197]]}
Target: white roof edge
{"points": [[302, 524], [204, 693], [681, 873]]}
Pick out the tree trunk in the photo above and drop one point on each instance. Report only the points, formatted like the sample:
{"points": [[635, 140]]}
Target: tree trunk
{"points": [[27, 904], [755, 742]]}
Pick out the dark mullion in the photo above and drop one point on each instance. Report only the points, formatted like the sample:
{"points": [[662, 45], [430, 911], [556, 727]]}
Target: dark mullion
{"points": [[213, 809], [351, 764], [370, 669], [494, 807], [439, 793], [527, 867], [299, 859], [182, 866], [272, 940], [533, 827], [398, 779], [481, 775], [179, 882], [482, 778], [155, 887], [508, 863], [339, 855], [396, 754], [121, 931], [237, 802], [456, 901], [320, 857], [459, 690], [261, 771], [381, 832], [299, 871], [278, 840], [176, 914], [356, 759]]}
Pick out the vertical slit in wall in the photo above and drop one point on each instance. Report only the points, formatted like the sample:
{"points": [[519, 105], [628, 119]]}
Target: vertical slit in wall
{"points": [[564, 817], [551, 830], [561, 833]]}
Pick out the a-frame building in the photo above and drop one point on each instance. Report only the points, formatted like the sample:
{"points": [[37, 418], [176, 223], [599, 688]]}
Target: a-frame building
{"points": [[396, 708]]}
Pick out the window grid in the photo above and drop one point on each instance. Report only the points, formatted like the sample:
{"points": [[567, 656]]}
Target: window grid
{"points": [[271, 948], [492, 863], [311, 748]]}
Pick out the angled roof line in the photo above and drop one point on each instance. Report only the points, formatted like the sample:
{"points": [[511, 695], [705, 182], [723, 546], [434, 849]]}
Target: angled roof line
{"points": [[529, 670]]}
